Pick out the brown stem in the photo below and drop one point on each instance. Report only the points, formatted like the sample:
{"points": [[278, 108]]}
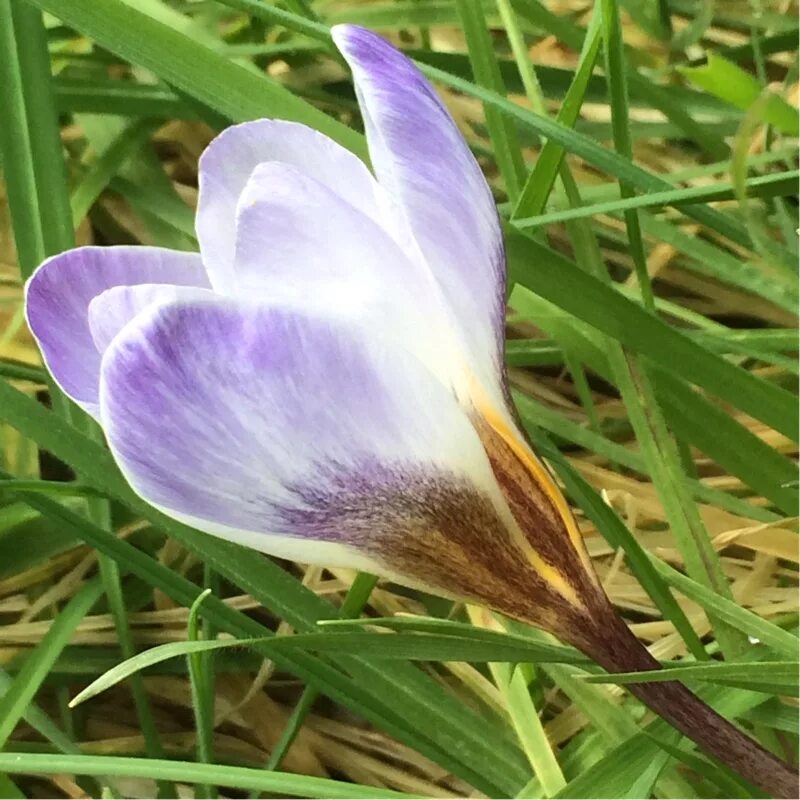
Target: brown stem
{"points": [[619, 650]]}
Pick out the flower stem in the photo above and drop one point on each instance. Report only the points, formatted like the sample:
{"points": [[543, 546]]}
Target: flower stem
{"points": [[616, 649]]}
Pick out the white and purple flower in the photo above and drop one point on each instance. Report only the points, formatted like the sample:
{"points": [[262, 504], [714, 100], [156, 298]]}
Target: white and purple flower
{"points": [[324, 381]]}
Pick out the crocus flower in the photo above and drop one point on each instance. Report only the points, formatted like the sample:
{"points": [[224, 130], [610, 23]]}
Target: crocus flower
{"points": [[324, 381]]}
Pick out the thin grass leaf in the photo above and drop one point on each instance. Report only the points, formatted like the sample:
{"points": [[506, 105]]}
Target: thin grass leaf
{"points": [[502, 133], [555, 278], [278, 783], [730, 82], [771, 185], [44, 134], [19, 170], [191, 66], [14, 703], [106, 166], [781, 675], [353, 604]]}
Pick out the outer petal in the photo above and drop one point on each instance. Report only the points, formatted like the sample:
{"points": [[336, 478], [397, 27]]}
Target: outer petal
{"points": [[299, 242], [420, 157], [58, 295], [229, 161], [290, 434]]}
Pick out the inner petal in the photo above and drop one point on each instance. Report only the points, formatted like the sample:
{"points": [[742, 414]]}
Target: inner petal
{"points": [[299, 242], [228, 164], [113, 309]]}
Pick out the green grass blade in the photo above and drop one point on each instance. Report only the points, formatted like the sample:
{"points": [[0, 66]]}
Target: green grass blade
{"points": [[353, 604], [487, 74], [771, 185], [543, 176], [44, 133], [105, 167], [192, 66], [781, 675], [281, 784], [731, 83], [18, 166], [558, 280], [613, 51], [14, 703]]}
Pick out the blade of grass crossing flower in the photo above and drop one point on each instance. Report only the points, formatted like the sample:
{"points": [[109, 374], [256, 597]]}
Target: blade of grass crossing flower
{"points": [[353, 604], [14, 703], [421, 712], [487, 74], [280, 784]]}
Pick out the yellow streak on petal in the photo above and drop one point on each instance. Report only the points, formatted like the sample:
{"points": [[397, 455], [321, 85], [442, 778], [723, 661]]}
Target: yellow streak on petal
{"points": [[497, 421]]}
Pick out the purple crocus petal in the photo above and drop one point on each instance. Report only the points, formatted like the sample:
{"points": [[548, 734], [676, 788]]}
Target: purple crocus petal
{"points": [[112, 310], [287, 432], [422, 160], [58, 295], [229, 161], [299, 242]]}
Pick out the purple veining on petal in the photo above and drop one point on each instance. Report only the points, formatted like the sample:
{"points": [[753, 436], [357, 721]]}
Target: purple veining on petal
{"points": [[422, 160], [59, 293], [432, 529], [112, 310], [231, 414]]}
